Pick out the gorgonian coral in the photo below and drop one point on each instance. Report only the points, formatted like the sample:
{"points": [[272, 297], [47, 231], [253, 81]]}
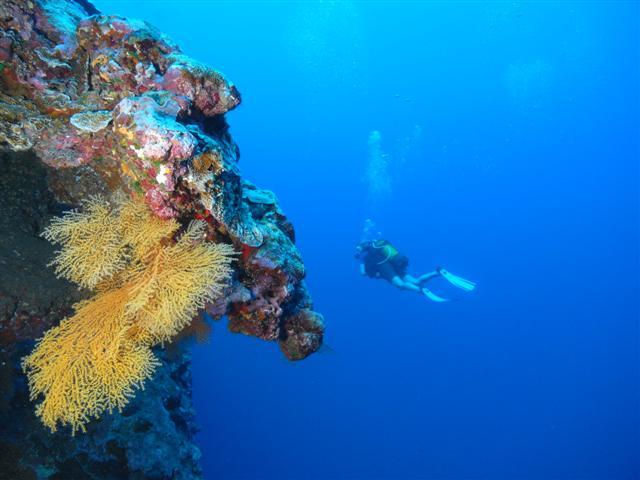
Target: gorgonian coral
{"points": [[92, 249], [148, 281]]}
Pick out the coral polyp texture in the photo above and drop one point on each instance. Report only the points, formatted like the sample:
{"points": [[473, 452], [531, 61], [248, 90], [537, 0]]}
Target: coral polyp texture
{"points": [[148, 287], [90, 105]]}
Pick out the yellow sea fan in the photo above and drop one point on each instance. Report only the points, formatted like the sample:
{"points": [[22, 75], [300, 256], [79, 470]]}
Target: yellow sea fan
{"points": [[142, 230], [147, 286], [87, 364], [92, 249], [177, 280]]}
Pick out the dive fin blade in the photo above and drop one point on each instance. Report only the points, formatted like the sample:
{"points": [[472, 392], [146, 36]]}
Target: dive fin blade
{"points": [[432, 296], [461, 283]]}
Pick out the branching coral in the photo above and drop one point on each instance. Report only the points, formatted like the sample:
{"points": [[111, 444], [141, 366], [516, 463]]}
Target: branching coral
{"points": [[148, 286]]}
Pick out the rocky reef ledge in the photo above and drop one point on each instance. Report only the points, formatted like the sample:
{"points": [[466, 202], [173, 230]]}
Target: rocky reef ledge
{"points": [[93, 104]]}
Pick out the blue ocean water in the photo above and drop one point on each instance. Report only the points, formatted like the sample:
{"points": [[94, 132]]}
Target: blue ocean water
{"points": [[509, 140]]}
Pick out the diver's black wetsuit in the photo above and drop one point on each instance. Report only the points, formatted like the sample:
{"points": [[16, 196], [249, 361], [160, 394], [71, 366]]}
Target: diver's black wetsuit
{"points": [[382, 260]]}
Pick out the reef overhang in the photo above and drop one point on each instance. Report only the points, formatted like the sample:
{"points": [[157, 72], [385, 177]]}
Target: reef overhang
{"points": [[110, 104]]}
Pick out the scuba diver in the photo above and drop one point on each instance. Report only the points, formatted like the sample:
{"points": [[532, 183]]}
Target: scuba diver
{"points": [[379, 259]]}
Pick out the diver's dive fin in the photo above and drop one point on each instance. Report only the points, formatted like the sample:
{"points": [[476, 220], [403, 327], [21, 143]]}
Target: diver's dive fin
{"points": [[466, 285], [432, 296]]}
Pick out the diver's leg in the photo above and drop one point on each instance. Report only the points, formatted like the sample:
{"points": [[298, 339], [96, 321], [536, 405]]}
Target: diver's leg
{"points": [[400, 283], [427, 276], [411, 279]]}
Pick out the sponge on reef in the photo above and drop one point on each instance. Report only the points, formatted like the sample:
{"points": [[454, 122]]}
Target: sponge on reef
{"points": [[149, 279]]}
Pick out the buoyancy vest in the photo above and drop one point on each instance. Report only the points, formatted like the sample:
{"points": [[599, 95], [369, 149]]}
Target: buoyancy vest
{"points": [[385, 251]]}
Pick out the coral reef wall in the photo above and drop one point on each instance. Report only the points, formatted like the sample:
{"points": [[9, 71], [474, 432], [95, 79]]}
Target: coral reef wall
{"points": [[109, 103], [151, 439], [92, 104]]}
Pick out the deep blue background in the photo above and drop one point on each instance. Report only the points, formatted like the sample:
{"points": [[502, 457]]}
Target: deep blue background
{"points": [[525, 179]]}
